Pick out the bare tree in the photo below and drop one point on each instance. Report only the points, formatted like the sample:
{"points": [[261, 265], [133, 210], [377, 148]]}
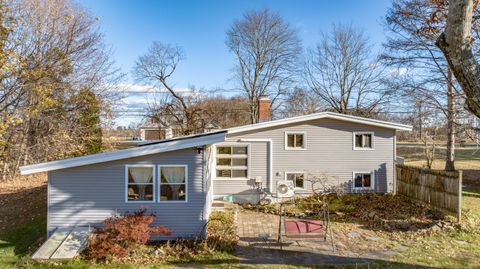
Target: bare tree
{"points": [[301, 101], [427, 79], [157, 66], [267, 50], [457, 46], [343, 73]]}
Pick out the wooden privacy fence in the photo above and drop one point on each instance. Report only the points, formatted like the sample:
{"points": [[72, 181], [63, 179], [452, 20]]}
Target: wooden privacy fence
{"points": [[440, 189]]}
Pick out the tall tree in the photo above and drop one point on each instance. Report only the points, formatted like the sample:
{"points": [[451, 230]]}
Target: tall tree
{"points": [[411, 47], [457, 44], [88, 121], [175, 107], [267, 50], [54, 50], [342, 71]]}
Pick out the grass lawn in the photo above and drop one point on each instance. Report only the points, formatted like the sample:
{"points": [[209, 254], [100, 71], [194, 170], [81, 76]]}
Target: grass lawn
{"points": [[465, 158]]}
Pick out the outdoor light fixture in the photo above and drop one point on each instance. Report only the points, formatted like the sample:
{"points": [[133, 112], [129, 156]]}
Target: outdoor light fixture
{"points": [[199, 150]]}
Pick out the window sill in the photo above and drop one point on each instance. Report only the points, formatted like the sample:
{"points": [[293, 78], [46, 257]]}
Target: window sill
{"points": [[363, 189], [363, 149], [172, 202], [230, 178], [139, 202], [299, 149]]}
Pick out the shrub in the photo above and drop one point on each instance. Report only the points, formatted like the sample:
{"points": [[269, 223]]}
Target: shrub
{"points": [[221, 232], [122, 233]]}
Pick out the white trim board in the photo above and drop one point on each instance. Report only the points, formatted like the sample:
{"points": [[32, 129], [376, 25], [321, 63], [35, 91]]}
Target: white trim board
{"points": [[123, 154], [321, 115]]}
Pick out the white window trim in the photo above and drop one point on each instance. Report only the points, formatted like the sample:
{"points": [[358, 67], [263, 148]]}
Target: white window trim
{"points": [[154, 181], [373, 140], [296, 132], [372, 176], [297, 172], [231, 144], [160, 184]]}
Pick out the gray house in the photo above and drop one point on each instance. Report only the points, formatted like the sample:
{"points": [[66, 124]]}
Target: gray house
{"points": [[179, 178]]}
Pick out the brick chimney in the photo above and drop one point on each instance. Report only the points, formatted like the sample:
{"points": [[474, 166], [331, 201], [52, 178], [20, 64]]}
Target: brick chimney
{"points": [[264, 113]]}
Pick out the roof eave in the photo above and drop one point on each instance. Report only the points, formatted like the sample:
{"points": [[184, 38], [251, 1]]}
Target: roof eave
{"points": [[122, 154]]}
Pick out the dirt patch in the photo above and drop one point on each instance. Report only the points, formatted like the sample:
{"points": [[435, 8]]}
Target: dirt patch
{"points": [[22, 200]]}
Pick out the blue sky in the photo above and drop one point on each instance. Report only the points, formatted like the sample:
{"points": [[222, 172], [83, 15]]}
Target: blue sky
{"points": [[199, 27]]}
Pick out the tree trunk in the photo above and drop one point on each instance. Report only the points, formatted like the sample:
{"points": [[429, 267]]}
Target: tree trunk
{"points": [[450, 154], [254, 111], [456, 45]]}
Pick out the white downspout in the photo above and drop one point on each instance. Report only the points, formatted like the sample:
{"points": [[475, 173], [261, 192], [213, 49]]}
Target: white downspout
{"points": [[270, 158]]}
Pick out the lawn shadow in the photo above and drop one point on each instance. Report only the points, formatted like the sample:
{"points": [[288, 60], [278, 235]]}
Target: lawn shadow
{"points": [[272, 256]]}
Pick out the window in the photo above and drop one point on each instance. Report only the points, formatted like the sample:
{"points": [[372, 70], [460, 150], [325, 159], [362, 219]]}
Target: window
{"points": [[295, 140], [298, 178], [173, 183], [140, 182], [232, 162], [363, 140], [363, 180]]}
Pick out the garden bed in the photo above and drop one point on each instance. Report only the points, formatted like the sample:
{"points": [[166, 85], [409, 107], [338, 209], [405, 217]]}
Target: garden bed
{"points": [[384, 212], [221, 240]]}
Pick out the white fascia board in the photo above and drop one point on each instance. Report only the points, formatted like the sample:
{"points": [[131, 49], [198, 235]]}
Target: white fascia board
{"points": [[329, 115], [123, 154]]}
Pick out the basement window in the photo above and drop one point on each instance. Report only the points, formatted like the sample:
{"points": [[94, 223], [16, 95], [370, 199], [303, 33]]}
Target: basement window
{"points": [[363, 180], [298, 179]]}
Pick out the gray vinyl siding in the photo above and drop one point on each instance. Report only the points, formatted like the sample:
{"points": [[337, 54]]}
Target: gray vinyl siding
{"points": [[87, 195], [329, 151]]}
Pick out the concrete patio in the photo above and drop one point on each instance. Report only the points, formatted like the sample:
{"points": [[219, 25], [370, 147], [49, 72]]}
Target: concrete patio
{"points": [[252, 248]]}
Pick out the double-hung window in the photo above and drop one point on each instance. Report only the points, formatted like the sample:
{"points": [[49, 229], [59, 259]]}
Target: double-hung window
{"points": [[173, 182], [232, 162], [363, 140], [363, 181], [140, 183], [298, 179], [295, 140]]}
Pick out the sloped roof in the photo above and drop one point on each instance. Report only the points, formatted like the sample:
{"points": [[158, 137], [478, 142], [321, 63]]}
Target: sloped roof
{"points": [[321, 115], [160, 146]]}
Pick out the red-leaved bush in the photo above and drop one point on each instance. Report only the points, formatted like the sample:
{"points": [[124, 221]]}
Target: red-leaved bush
{"points": [[122, 233]]}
